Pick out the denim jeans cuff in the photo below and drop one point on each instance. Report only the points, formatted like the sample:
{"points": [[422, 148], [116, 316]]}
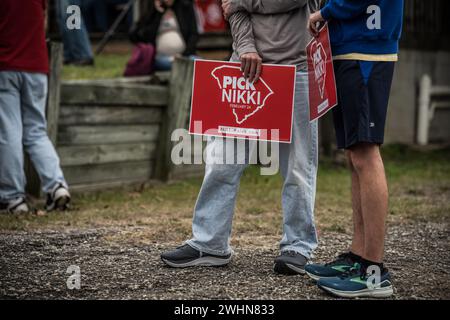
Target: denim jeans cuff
{"points": [[194, 245], [306, 253]]}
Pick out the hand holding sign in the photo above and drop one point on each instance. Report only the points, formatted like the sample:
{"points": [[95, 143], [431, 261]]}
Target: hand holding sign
{"points": [[322, 85], [314, 21], [251, 66]]}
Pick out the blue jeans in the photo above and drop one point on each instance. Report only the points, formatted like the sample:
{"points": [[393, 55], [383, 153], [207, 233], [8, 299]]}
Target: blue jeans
{"points": [[23, 126], [163, 62], [76, 42], [214, 209]]}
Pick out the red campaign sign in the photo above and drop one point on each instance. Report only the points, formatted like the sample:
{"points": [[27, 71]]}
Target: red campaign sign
{"points": [[210, 16], [225, 104], [322, 85]]}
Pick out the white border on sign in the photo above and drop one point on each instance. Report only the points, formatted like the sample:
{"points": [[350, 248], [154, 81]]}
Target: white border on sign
{"points": [[334, 76], [237, 137]]}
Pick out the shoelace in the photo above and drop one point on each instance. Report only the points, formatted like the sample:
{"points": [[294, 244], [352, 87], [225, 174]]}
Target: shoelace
{"points": [[291, 253], [344, 257], [357, 269]]}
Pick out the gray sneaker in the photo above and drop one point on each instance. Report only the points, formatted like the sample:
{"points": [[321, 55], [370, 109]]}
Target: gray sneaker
{"points": [[290, 263], [16, 206], [186, 256], [58, 198]]}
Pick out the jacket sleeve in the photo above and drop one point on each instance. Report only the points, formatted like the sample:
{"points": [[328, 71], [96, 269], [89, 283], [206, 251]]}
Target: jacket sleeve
{"points": [[345, 9], [242, 32], [267, 6]]}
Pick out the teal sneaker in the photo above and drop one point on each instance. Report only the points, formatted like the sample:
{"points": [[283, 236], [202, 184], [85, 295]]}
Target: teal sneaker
{"points": [[358, 283], [343, 263]]}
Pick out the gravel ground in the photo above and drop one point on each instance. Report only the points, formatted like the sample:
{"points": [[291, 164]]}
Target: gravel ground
{"points": [[33, 265]]}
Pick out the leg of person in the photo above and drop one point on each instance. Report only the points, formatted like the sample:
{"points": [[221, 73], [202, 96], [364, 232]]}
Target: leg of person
{"points": [[36, 142], [345, 261], [366, 160], [12, 176], [61, 7], [298, 163], [363, 146], [77, 47], [357, 246], [213, 213], [345, 120]]}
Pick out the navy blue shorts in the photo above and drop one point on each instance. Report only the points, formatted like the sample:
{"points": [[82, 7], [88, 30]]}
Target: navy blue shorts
{"points": [[363, 94]]}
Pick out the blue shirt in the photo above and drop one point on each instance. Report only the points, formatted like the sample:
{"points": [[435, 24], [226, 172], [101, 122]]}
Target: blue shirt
{"points": [[371, 27]]}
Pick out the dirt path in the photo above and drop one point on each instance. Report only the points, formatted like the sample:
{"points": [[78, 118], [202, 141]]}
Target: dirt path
{"points": [[34, 264]]}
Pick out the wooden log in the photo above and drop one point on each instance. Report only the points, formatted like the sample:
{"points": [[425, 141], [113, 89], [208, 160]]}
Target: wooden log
{"points": [[106, 153], [187, 171], [124, 184], [102, 115], [117, 171], [177, 113], [94, 93], [53, 99], [89, 135]]}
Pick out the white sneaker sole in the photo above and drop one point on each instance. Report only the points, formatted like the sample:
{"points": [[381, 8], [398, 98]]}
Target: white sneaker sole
{"points": [[295, 268], [317, 278], [203, 262], [313, 276], [21, 209], [381, 292]]}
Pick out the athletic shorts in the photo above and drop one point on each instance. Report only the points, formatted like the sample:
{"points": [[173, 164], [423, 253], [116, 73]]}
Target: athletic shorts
{"points": [[363, 94]]}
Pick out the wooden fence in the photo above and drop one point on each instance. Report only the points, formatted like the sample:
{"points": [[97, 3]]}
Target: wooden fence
{"points": [[112, 133]]}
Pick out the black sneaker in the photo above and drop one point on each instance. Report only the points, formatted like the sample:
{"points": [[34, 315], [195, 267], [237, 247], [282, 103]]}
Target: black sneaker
{"points": [[16, 206], [290, 263], [58, 199], [186, 256]]}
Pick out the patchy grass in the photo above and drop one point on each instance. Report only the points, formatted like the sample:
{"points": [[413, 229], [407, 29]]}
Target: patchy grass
{"points": [[106, 66], [112, 65], [419, 191]]}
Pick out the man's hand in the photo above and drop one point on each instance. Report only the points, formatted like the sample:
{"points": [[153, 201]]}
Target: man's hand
{"points": [[314, 22], [251, 65], [227, 9]]}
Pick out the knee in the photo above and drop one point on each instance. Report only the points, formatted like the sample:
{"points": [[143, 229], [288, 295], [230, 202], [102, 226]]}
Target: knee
{"points": [[364, 157], [229, 174], [32, 135]]}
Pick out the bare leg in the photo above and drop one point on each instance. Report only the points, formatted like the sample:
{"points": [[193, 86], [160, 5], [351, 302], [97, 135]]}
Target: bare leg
{"points": [[358, 224], [368, 165]]}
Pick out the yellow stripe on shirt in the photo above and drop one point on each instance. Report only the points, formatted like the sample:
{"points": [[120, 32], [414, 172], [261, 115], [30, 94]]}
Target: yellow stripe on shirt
{"points": [[367, 57]]}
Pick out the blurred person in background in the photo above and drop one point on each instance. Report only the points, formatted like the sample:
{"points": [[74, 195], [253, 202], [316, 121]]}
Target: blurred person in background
{"points": [[77, 48], [171, 28], [100, 14], [23, 93]]}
